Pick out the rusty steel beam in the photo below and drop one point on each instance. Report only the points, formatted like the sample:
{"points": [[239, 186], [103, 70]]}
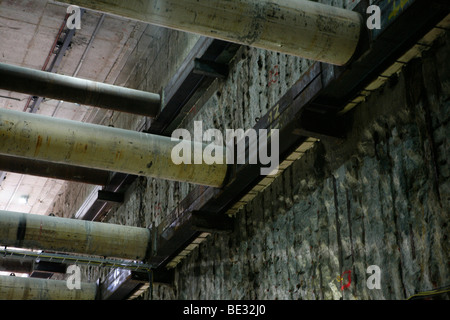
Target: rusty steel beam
{"points": [[31, 266], [8, 264], [53, 170]]}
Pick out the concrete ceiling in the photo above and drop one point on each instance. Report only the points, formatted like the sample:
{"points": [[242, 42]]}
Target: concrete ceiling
{"points": [[28, 29]]}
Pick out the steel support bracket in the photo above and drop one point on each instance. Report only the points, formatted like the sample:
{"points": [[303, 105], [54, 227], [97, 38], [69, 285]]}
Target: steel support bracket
{"points": [[210, 69], [212, 222]]}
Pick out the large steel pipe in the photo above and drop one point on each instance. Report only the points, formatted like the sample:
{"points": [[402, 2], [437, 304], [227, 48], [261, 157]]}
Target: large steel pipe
{"points": [[297, 27], [53, 170], [73, 236], [76, 90], [100, 147], [18, 288]]}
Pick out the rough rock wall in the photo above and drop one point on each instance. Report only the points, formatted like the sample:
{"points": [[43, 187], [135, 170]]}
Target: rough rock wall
{"points": [[258, 79], [381, 198]]}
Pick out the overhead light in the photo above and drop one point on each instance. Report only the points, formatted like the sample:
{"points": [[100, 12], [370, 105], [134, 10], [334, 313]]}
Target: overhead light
{"points": [[14, 274], [23, 199]]}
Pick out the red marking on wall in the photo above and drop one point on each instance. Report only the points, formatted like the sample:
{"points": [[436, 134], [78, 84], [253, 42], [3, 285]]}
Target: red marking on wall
{"points": [[349, 280], [157, 209], [274, 76], [193, 109]]}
